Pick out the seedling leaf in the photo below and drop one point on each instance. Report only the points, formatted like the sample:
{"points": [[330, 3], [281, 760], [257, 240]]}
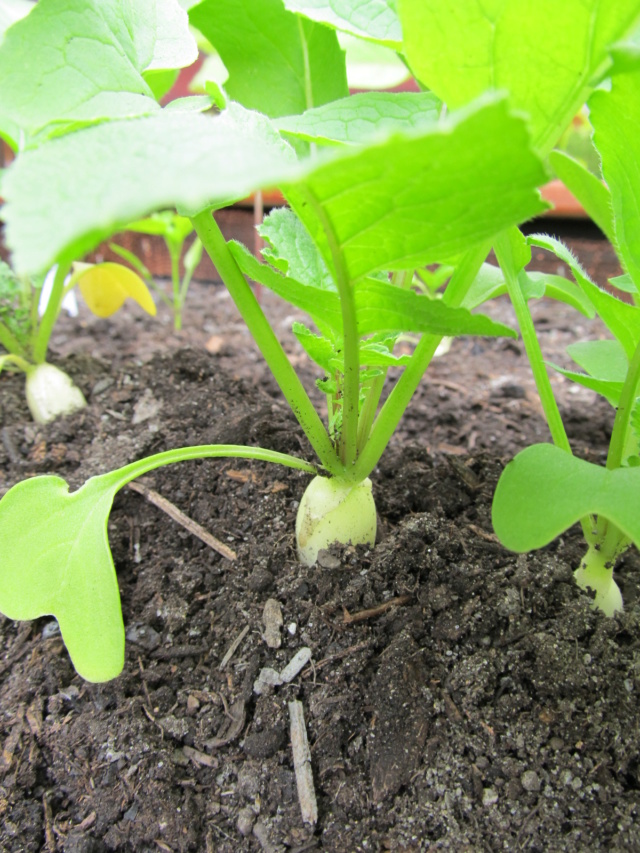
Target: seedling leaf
{"points": [[545, 490], [105, 287]]}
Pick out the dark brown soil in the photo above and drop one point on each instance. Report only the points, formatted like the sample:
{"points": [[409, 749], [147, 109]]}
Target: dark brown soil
{"points": [[488, 708]]}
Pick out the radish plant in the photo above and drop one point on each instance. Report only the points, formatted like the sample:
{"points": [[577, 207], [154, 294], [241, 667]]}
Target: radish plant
{"points": [[378, 186], [28, 315], [545, 489]]}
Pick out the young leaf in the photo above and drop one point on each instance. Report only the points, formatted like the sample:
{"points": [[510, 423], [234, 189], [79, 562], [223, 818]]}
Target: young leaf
{"points": [[383, 307], [374, 20], [162, 161], [608, 389], [291, 249], [74, 62], [414, 200], [545, 54], [278, 63], [105, 287], [317, 347], [363, 117], [322, 305], [56, 558], [545, 490], [592, 194], [622, 319], [602, 359], [614, 118]]}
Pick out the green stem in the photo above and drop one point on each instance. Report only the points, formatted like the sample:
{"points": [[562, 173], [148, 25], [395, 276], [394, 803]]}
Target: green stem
{"points": [[351, 384], [205, 451], [531, 343], [9, 341], [404, 389], [370, 408], [175, 250], [268, 344], [50, 315], [623, 414]]}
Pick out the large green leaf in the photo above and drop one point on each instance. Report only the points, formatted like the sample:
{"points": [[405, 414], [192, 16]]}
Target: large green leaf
{"points": [[92, 183], [546, 54], [75, 62], [278, 63], [424, 197], [614, 115], [360, 118], [545, 490], [374, 20]]}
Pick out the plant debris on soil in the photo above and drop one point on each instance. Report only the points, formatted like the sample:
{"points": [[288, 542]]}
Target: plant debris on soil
{"points": [[455, 696]]}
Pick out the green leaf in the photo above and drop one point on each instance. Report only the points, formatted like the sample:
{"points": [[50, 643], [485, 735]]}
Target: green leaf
{"points": [[323, 306], [375, 20], [56, 558], [75, 62], [291, 249], [167, 160], [602, 359], [624, 283], [622, 319], [592, 194], [614, 118], [545, 490], [63, 567], [414, 200], [363, 117], [317, 347], [383, 307], [626, 53], [12, 11], [490, 283], [278, 63], [546, 54], [611, 391], [373, 354]]}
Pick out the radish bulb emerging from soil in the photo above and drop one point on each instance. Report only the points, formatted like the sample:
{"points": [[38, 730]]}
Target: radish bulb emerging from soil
{"points": [[51, 393], [331, 511]]}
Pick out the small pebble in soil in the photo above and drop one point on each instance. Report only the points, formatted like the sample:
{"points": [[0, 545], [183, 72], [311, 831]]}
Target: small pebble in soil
{"points": [[489, 797], [530, 781], [273, 622]]}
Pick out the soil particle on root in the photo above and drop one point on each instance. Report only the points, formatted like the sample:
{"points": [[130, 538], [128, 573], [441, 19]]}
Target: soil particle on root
{"points": [[476, 703]]}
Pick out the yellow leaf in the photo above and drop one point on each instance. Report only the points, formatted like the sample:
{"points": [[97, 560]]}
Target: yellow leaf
{"points": [[106, 286]]}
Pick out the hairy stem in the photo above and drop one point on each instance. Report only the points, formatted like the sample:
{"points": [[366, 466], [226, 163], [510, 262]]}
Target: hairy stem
{"points": [[615, 456]]}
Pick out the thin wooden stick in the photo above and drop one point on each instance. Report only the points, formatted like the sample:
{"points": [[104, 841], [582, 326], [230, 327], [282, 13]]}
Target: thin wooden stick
{"points": [[372, 612], [302, 763], [188, 523]]}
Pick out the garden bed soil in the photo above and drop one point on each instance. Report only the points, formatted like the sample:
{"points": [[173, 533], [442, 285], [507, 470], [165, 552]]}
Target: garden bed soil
{"points": [[459, 697]]}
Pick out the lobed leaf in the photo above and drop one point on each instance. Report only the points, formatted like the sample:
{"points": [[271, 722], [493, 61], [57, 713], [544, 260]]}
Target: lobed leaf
{"points": [[547, 55], [363, 117], [421, 198], [546, 490], [278, 63], [75, 62], [291, 249]]}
